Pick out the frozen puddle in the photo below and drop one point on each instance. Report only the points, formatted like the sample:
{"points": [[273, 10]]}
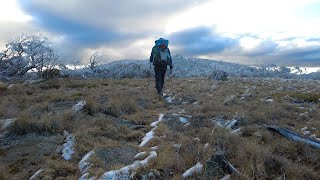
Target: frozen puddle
{"points": [[68, 149], [150, 134]]}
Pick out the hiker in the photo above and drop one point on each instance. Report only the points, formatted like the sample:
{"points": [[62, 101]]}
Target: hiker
{"points": [[161, 58]]}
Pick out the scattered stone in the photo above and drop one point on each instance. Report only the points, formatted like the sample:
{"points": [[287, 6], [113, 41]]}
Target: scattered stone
{"points": [[79, 106], [177, 147], [230, 100]]}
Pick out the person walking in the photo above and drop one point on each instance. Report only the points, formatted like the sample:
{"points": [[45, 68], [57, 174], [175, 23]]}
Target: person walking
{"points": [[161, 58]]}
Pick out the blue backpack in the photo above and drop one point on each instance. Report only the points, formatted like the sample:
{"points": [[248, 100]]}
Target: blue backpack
{"points": [[160, 57], [160, 41]]}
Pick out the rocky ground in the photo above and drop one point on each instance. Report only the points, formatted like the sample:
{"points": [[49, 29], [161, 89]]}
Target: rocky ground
{"points": [[200, 129]]}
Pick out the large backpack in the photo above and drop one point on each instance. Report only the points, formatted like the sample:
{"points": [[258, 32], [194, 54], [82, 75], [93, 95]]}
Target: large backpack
{"points": [[160, 57]]}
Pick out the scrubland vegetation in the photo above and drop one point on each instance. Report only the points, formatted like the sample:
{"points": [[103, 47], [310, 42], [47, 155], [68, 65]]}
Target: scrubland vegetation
{"points": [[118, 113]]}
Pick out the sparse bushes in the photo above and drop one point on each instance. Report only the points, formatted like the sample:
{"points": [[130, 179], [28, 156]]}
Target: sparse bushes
{"points": [[219, 75], [51, 73]]}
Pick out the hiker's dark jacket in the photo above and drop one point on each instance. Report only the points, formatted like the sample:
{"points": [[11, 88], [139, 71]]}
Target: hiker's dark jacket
{"points": [[160, 65]]}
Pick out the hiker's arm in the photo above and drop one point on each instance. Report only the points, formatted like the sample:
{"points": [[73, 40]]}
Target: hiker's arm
{"points": [[170, 59], [151, 56]]}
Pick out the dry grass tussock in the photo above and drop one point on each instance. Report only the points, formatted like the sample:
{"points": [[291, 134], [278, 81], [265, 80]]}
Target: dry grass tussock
{"points": [[118, 113]]}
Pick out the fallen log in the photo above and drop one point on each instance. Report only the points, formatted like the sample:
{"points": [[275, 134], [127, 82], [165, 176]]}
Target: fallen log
{"points": [[294, 136]]}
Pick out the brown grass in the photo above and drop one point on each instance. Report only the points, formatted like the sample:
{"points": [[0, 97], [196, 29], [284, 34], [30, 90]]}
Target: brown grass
{"points": [[113, 107]]}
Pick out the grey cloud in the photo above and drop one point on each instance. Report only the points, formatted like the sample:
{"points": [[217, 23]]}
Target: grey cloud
{"points": [[200, 41], [117, 16]]}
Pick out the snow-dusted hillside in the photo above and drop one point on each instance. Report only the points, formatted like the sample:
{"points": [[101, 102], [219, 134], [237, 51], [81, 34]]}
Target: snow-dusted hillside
{"points": [[189, 67]]}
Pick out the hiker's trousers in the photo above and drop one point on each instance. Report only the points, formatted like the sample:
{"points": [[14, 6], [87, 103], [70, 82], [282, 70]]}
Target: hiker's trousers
{"points": [[160, 73]]}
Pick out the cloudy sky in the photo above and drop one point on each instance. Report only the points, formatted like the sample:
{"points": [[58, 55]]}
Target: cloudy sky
{"points": [[242, 31]]}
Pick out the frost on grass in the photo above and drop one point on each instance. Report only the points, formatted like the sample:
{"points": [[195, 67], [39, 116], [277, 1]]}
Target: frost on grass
{"points": [[68, 148], [79, 106], [124, 173], [84, 165], [7, 122], [150, 134], [193, 170]]}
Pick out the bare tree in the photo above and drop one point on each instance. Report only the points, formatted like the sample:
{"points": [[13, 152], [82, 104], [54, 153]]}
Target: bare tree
{"points": [[28, 52], [95, 59]]}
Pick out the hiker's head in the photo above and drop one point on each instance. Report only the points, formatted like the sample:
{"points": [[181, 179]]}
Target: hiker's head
{"points": [[163, 46]]}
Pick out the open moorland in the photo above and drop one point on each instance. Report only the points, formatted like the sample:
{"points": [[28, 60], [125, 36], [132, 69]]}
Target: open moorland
{"points": [[71, 128]]}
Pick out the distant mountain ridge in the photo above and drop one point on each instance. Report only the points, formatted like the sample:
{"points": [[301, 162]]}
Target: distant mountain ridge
{"points": [[191, 67]]}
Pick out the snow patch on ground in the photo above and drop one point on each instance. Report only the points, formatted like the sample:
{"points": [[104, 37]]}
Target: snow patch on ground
{"points": [[79, 106], [228, 124], [84, 165], [154, 124], [36, 174], [195, 169], [183, 120], [85, 177], [140, 155], [206, 146], [124, 173], [150, 134], [168, 98], [68, 148], [7, 122]]}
